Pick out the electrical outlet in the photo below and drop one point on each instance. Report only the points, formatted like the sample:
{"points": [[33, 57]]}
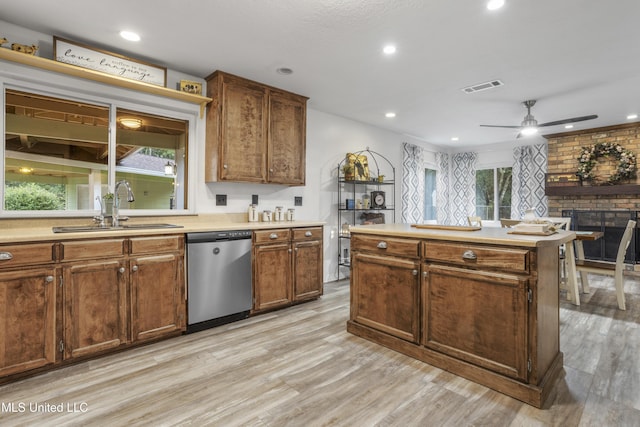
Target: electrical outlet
{"points": [[221, 200], [297, 201], [254, 199]]}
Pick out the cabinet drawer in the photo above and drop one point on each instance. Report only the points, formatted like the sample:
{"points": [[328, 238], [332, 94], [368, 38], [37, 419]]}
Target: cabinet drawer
{"points": [[92, 249], [480, 256], [26, 254], [311, 233], [271, 236], [386, 245], [146, 245]]}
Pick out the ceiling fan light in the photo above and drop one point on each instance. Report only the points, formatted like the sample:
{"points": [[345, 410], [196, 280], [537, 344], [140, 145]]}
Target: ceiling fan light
{"points": [[495, 4], [528, 131]]}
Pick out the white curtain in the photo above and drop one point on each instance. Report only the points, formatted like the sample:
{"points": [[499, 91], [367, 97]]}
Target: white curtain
{"points": [[528, 178], [412, 184], [463, 189]]}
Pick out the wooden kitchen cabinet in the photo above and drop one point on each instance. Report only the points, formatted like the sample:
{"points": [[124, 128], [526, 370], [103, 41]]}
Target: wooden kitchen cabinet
{"points": [[157, 287], [287, 266], [271, 269], [307, 263], [95, 307], [27, 319], [386, 288], [28, 301], [255, 133]]}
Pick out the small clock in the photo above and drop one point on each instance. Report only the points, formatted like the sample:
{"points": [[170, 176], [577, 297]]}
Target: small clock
{"points": [[378, 199]]}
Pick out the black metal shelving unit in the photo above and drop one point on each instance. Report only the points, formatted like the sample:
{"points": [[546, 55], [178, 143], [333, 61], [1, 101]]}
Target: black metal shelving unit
{"points": [[354, 190]]}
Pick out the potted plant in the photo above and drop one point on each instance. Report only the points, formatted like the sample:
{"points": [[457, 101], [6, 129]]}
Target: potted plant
{"points": [[107, 204], [348, 170]]}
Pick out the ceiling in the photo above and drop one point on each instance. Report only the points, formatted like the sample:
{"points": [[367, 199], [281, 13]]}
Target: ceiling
{"points": [[575, 57]]}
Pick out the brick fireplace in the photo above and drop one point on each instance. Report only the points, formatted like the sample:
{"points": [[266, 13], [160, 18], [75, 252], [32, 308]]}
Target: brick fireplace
{"points": [[604, 208]]}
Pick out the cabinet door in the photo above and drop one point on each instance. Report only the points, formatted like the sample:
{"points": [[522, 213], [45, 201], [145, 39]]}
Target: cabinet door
{"points": [[286, 148], [307, 270], [386, 294], [477, 316], [157, 299], [272, 276], [95, 304], [243, 132], [27, 320]]}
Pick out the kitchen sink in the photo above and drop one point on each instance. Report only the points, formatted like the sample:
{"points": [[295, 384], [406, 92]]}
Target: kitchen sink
{"points": [[91, 228]]}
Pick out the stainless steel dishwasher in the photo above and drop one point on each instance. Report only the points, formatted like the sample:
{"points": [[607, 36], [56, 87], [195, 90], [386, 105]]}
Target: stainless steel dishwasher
{"points": [[218, 277]]}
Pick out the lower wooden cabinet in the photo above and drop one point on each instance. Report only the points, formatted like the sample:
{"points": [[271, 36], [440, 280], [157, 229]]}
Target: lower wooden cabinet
{"points": [[95, 307], [386, 294], [27, 319], [157, 300], [287, 267]]}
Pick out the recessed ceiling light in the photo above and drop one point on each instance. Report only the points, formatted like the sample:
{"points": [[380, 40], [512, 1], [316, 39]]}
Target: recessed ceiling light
{"points": [[389, 49], [390, 115], [632, 116], [455, 138], [130, 35], [495, 4], [284, 70], [568, 127], [529, 130]]}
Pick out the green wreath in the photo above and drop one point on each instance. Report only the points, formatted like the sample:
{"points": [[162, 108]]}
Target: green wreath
{"points": [[589, 156]]}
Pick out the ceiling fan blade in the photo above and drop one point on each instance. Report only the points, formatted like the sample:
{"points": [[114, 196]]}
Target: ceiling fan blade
{"points": [[573, 120], [498, 126]]}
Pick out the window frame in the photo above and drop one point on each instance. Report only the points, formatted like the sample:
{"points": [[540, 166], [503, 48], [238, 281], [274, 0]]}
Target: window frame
{"points": [[496, 201], [71, 88]]}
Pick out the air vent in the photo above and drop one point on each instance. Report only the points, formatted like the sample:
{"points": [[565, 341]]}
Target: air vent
{"points": [[482, 86]]}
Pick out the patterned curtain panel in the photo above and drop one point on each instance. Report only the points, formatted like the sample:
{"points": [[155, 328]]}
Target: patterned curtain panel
{"points": [[527, 185], [412, 184], [443, 210], [463, 190]]}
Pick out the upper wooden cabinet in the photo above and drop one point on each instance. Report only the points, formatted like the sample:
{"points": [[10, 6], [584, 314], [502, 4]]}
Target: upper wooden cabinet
{"points": [[255, 133]]}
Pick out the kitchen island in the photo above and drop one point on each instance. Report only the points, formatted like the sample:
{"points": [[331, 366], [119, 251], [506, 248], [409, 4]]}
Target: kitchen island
{"points": [[480, 303]]}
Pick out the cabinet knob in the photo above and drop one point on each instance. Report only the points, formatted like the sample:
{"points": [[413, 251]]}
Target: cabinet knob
{"points": [[290, 250], [224, 166], [424, 274], [271, 170], [273, 236], [308, 234], [414, 272], [5, 256], [134, 268], [470, 255], [48, 279], [382, 245], [121, 270]]}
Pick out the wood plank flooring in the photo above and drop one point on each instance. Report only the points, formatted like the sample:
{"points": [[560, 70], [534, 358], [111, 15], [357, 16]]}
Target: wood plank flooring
{"points": [[299, 367]]}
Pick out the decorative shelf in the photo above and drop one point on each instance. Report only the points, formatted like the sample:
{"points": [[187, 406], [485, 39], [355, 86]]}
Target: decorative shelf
{"points": [[593, 190], [96, 76]]}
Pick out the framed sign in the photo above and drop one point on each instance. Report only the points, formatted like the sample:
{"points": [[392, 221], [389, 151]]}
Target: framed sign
{"points": [[107, 62], [562, 180]]}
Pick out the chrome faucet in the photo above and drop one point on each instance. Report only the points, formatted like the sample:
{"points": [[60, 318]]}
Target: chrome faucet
{"points": [[116, 202]]}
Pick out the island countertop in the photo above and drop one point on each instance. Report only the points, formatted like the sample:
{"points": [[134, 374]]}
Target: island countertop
{"points": [[485, 235]]}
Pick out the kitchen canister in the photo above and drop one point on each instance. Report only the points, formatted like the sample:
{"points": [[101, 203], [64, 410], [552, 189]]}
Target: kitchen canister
{"points": [[291, 214], [266, 216], [253, 213], [278, 214]]}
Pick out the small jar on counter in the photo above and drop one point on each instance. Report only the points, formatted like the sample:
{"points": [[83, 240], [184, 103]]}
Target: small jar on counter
{"points": [[278, 214], [266, 216], [253, 213], [291, 214]]}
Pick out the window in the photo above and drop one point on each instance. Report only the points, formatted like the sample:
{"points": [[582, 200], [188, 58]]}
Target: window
{"points": [[491, 204], [430, 212], [59, 155]]}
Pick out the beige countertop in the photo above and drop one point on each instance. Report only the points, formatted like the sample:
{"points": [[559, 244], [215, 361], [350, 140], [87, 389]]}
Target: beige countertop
{"points": [[486, 235], [31, 230]]}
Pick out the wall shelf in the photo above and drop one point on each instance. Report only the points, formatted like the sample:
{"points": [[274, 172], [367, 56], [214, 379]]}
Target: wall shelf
{"points": [[593, 190], [96, 76]]}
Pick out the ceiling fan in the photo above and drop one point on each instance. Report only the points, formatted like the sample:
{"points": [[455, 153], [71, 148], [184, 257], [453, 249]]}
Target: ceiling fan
{"points": [[529, 125]]}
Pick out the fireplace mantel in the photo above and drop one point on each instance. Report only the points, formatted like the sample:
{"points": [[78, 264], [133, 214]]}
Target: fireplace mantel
{"points": [[593, 190]]}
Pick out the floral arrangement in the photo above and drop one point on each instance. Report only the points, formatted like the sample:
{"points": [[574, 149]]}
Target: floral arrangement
{"points": [[626, 168]]}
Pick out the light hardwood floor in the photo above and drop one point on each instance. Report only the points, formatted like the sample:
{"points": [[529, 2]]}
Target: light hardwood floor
{"points": [[299, 367]]}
